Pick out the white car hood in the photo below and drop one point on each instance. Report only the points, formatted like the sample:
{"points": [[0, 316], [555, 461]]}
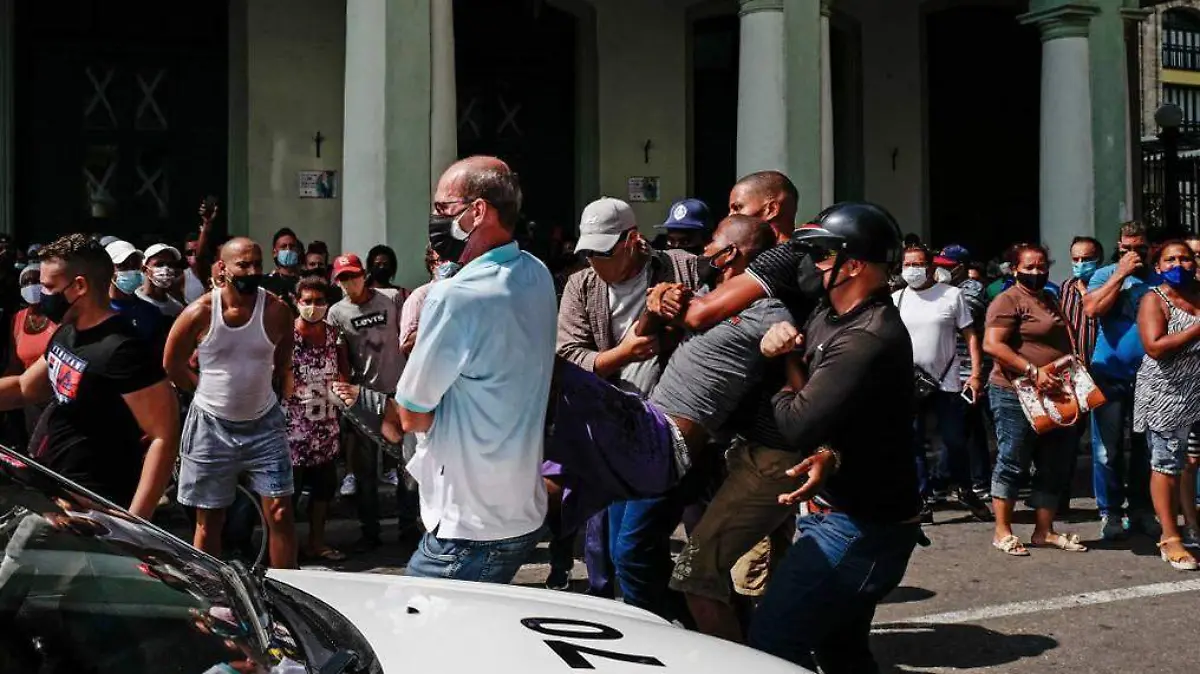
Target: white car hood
{"points": [[415, 624]]}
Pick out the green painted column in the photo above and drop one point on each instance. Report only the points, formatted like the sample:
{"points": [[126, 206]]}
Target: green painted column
{"points": [[1110, 115], [802, 70]]}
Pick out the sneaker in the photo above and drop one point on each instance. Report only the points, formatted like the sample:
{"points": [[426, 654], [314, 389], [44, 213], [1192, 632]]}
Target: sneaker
{"points": [[926, 514], [1146, 523], [390, 477], [939, 496], [978, 508], [1112, 529], [349, 486], [984, 493], [559, 579], [1191, 538]]}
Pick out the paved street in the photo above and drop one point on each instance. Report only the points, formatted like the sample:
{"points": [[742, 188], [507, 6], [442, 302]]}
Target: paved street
{"points": [[964, 607]]}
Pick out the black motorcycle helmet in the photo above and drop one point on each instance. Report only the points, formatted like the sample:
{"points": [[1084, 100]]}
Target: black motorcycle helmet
{"points": [[855, 229]]}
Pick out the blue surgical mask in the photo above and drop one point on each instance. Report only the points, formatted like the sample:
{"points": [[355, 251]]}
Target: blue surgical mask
{"points": [[128, 281], [287, 258], [1084, 269], [1179, 278]]}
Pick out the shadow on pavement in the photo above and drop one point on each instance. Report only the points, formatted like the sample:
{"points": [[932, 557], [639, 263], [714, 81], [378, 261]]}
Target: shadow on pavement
{"points": [[951, 646], [906, 595]]}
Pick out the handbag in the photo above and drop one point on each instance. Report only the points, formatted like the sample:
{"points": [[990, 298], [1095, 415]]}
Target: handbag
{"points": [[924, 384], [1061, 407]]}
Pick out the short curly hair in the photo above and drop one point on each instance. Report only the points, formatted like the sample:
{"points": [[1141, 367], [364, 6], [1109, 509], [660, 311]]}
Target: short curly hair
{"points": [[82, 256]]}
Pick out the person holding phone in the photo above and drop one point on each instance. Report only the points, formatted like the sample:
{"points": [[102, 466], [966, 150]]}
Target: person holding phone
{"points": [[935, 314]]}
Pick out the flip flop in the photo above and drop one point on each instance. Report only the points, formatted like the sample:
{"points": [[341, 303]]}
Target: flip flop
{"points": [[1011, 545]]}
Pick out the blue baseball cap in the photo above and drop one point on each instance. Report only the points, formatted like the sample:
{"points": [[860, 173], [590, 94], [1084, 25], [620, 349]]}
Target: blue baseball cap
{"points": [[687, 214], [952, 256]]}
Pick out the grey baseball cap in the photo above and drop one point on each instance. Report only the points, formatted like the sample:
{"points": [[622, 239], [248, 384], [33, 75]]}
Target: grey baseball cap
{"points": [[602, 224]]}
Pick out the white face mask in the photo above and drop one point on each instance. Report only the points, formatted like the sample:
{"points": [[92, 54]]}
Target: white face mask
{"points": [[942, 275], [32, 294], [915, 277], [313, 313], [456, 229], [162, 277]]}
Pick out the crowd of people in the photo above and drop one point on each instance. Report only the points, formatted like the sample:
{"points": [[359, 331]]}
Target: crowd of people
{"points": [[768, 382]]}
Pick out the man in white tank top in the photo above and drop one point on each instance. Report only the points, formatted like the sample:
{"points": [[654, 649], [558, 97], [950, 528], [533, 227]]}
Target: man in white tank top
{"points": [[235, 426]]}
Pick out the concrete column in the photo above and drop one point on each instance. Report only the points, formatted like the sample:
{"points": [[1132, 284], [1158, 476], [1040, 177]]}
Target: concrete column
{"points": [[388, 137], [803, 66], [443, 120], [7, 36], [827, 152], [762, 105], [1067, 179]]}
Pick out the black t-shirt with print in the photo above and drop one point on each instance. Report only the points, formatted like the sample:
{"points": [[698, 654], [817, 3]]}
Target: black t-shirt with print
{"points": [[87, 433]]}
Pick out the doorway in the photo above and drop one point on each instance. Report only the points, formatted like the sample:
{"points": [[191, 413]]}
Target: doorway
{"points": [[984, 90]]}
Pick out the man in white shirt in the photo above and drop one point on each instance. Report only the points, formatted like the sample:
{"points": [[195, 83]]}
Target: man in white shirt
{"points": [[477, 382], [935, 313]]}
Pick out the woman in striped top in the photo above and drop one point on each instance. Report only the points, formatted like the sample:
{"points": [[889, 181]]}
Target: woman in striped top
{"points": [[1167, 394]]}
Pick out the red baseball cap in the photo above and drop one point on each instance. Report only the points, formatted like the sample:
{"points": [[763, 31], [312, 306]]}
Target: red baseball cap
{"points": [[347, 263]]}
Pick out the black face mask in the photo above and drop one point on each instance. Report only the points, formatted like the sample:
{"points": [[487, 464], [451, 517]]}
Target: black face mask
{"points": [[381, 274], [442, 242], [246, 284], [1034, 282], [55, 306], [810, 280], [707, 272]]}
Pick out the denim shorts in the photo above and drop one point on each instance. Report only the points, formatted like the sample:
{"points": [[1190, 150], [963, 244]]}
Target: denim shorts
{"points": [[213, 452], [1169, 449]]}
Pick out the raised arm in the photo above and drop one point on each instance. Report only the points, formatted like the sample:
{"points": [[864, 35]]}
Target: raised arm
{"points": [[1103, 297], [728, 299]]}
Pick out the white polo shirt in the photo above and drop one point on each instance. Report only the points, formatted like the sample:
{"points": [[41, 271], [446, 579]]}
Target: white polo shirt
{"points": [[482, 364]]}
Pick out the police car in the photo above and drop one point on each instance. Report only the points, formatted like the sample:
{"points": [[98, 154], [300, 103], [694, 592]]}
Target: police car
{"points": [[85, 586]]}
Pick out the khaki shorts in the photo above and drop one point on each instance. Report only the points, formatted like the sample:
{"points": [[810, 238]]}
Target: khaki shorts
{"points": [[753, 569], [744, 512]]}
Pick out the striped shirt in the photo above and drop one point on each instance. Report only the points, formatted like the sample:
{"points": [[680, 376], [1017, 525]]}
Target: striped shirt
{"points": [[1083, 329]]}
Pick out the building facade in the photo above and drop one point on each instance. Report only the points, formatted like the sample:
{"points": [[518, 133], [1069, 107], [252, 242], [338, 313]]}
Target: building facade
{"points": [[978, 121]]}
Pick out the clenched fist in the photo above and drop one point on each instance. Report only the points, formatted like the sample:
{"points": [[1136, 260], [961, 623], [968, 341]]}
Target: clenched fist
{"points": [[782, 338]]}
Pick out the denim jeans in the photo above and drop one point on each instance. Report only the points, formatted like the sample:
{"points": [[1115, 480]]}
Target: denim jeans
{"points": [[1113, 479], [481, 561], [1053, 454], [366, 474], [639, 539], [820, 602], [979, 428], [954, 463]]}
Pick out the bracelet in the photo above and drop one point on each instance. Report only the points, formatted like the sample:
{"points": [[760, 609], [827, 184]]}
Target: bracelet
{"points": [[837, 458], [1031, 370]]}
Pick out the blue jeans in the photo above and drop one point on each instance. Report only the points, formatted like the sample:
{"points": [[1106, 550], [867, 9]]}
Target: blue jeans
{"points": [[482, 561], [954, 462], [639, 539], [820, 602], [1114, 480], [1018, 445]]}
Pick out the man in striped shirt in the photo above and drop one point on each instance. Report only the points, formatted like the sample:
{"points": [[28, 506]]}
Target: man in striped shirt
{"points": [[1086, 254]]}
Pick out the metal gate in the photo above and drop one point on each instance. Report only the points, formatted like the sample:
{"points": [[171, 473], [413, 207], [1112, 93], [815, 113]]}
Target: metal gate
{"points": [[1154, 180]]}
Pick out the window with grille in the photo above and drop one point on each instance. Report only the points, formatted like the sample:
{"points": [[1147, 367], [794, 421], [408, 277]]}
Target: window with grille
{"points": [[1181, 40], [1188, 100]]}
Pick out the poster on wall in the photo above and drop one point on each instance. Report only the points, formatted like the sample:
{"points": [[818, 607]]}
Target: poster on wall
{"points": [[318, 185], [643, 189]]}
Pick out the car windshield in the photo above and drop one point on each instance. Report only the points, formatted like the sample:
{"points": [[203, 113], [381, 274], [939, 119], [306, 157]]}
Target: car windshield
{"points": [[84, 586]]}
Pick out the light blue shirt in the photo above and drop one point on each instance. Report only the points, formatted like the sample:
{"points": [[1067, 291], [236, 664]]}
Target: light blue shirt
{"points": [[1119, 349], [482, 364]]}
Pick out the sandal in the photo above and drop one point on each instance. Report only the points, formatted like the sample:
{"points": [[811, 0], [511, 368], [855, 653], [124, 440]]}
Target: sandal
{"points": [[1184, 562], [1067, 542], [1011, 545]]}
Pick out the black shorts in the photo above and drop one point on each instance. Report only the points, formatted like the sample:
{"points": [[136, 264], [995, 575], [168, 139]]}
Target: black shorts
{"points": [[320, 481]]}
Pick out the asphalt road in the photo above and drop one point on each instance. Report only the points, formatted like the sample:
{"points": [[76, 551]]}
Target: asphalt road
{"points": [[964, 607]]}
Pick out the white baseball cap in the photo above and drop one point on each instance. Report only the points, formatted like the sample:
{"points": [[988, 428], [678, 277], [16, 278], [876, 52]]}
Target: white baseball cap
{"points": [[160, 248], [602, 224], [119, 251]]}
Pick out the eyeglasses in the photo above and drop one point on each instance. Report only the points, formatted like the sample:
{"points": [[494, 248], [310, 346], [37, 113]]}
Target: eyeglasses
{"points": [[443, 207]]}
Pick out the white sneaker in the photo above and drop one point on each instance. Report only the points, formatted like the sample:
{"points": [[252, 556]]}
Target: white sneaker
{"points": [[390, 477], [1112, 529], [349, 486]]}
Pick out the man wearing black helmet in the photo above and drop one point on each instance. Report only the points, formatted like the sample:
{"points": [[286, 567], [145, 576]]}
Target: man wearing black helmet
{"points": [[853, 359]]}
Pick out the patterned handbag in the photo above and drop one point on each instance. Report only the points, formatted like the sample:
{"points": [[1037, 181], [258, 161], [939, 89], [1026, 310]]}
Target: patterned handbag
{"points": [[1075, 395]]}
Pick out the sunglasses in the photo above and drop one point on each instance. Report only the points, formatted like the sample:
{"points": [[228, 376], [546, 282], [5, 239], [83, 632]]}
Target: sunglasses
{"points": [[588, 254]]}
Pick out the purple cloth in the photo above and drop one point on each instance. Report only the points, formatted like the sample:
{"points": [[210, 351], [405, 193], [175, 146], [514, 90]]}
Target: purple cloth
{"points": [[604, 444]]}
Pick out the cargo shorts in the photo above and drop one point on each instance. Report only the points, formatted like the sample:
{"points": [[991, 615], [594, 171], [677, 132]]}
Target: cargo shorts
{"points": [[744, 512]]}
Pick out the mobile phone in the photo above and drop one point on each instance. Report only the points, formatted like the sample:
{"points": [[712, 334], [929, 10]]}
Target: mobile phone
{"points": [[968, 394]]}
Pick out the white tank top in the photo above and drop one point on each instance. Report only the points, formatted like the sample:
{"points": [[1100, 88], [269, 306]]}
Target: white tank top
{"points": [[236, 366]]}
